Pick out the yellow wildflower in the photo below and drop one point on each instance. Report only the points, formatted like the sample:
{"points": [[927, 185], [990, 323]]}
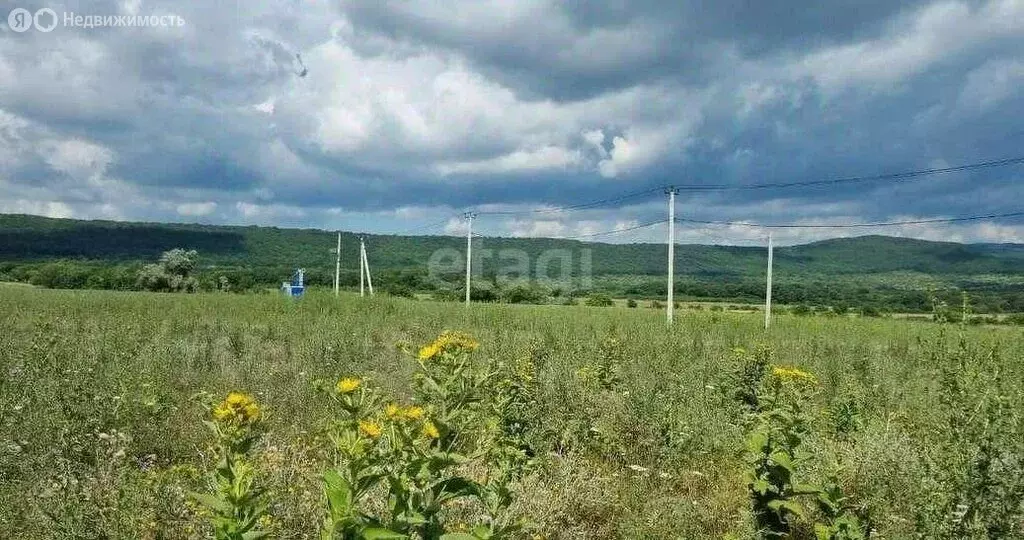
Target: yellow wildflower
{"points": [[348, 385], [413, 412], [370, 428], [430, 351], [392, 411], [430, 430], [449, 342], [793, 374], [237, 407]]}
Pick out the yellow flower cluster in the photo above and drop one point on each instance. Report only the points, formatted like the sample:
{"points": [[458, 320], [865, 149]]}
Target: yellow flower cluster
{"points": [[413, 413], [348, 385], [793, 374], [238, 408], [448, 342], [396, 412], [370, 428], [430, 430]]}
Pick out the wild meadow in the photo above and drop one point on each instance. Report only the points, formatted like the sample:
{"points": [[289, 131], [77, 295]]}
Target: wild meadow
{"points": [[142, 415]]}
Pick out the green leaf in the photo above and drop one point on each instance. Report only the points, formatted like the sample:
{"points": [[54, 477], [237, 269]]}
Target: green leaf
{"points": [[757, 441], [212, 502], [453, 488], [783, 507], [376, 533], [339, 493], [782, 459], [458, 536]]}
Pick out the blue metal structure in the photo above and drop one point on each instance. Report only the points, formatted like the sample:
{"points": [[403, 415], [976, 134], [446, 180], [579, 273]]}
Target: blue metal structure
{"points": [[296, 287]]}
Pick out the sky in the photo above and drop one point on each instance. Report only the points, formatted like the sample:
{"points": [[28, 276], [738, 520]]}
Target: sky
{"points": [[394, 116]]}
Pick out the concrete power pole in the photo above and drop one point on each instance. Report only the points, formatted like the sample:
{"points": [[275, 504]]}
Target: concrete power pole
{"points": [[469, 252], [337, 269], [671, 253], [768, 288], [366, 265], [362, 271]]}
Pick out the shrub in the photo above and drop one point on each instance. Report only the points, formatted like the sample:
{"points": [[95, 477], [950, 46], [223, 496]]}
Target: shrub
{"points": [[803, 310], [599, 300], [399, 290], [171, 274], [631, 303], [1017, 318], [523, 293], [870, 311], [446, 295]]}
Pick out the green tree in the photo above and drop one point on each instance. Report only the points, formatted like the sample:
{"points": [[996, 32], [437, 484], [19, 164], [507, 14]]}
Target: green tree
{"points": [[599, 300], [172, 274]]}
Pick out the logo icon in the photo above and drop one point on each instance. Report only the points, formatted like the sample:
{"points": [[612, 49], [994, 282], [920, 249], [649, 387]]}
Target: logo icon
{"points": [[20, 19], [45, 20]]}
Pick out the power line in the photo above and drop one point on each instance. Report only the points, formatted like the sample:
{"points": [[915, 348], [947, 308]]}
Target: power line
{"points": [[592, 204], [781, 225], [904, 175], [409, 232], [578, 236], [887, 176], [615, 231], [851, 225]]}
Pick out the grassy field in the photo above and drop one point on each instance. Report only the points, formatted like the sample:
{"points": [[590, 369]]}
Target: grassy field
{"points": [[637, 431]]}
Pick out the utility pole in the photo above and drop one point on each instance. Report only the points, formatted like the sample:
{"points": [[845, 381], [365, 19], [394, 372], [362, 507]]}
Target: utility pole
{"points": [[366, 265], [337, 269], [768, 289], [671, 252], [469, 252], [362, 270]]}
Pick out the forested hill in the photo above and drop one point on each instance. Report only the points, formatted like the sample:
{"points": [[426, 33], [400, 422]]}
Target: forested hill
{"points": [[25, 239]]}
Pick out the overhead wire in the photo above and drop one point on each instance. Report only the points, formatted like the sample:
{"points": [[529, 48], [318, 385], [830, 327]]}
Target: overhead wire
{"points": [[425, 228], [832, 181], [850, 225], [897, 176], [905, 175], [581, 206]]}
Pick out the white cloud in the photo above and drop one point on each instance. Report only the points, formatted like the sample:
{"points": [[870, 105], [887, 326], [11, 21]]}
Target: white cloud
{"points": [[54, 209], [82, 160], [546, 158], [991, 84], [637, 148], [936, 33], [269, 212], [535, 228], [266, 107], [456, 226], [197, 209]]}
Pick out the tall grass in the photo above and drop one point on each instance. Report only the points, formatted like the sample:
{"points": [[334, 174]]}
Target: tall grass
{"points": [[102, 393]]}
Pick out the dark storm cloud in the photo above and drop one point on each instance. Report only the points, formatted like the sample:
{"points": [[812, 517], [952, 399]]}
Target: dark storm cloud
{"points": [[515, 104], [575, 50]]}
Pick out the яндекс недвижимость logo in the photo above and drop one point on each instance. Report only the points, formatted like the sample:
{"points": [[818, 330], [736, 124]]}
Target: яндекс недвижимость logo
{"points": [[45, 20], [21, 20]]}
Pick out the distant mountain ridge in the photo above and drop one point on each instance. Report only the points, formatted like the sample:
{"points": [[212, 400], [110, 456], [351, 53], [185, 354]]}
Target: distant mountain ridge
{"points": [[25, 238]]}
